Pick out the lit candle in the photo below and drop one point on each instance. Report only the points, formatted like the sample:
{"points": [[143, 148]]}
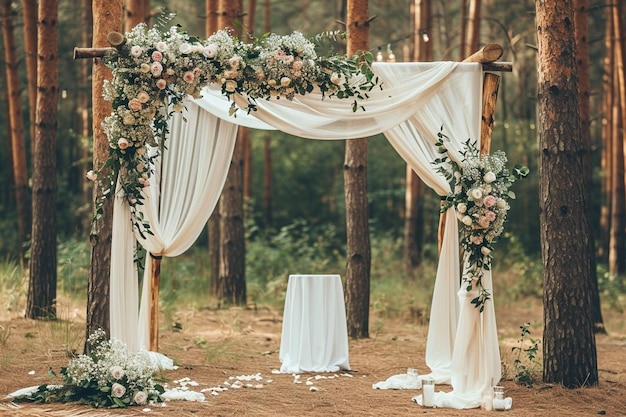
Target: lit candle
{"points": [[428, 393]]}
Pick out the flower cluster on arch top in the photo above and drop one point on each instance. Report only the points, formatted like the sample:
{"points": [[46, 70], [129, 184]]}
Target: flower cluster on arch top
{"points": [[154, 71]]}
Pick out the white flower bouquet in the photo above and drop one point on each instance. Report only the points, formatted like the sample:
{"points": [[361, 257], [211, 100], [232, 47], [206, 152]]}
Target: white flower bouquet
{"points": [[480, 197], [107, 377]]}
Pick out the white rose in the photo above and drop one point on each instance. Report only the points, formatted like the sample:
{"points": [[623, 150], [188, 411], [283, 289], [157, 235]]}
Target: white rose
{"points": [[485, 250], [461, 207], [500, 203], [140, 397], [136, 50], [210, 50], [184, 48], [335, 78], [116, 372], [489, 177], [476, 193], [467, 220], [161, 46], [118, 390]]}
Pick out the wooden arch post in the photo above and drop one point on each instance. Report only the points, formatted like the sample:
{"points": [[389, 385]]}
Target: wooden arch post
{"points": [[487, 55]]}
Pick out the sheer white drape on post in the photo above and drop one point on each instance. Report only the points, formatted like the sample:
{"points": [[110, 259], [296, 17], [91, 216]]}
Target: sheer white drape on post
{"points": [[184, 190], [416, 101]]}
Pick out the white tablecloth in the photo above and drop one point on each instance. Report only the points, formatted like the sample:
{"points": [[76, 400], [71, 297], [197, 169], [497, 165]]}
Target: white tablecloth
{"points": [[314, 335]]}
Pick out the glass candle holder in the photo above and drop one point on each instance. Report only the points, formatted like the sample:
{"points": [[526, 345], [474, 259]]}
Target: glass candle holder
{"points": [[412, 378], [498, 398], [428, 392]]}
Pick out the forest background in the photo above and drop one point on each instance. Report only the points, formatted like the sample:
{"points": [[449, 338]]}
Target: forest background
{"points": [[300, 225]]}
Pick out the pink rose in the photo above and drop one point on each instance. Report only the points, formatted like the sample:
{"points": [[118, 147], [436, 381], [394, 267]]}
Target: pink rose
{"points": [[297, 65], [118, 390], [483, 222], [188, 76], [134, 104], [197, 71], [156, 69], [489, 201], [161, 84], [490, 215], [157, 56], [143, 97]]}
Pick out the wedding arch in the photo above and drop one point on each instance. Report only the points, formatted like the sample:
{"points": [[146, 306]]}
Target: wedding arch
{"points": [[415, 101]]}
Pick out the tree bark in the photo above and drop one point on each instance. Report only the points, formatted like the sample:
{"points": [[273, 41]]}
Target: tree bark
{"points": [[607, 135], [213, 225], [617, 235], [43, 265], [569, 349], [212, 12], [581, 24], [137, 11], [232, 279], [29, 13], [358, 263], [414, 194], [16, 123], [473, 27], [107, 17], [84, 107]]}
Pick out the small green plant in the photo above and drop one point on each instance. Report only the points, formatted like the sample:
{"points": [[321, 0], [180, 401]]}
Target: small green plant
{"points": [[526, 361]]}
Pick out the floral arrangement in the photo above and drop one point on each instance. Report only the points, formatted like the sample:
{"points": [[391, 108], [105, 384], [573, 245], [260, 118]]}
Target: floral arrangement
{"points": [[155, 70], [107, 377], [480, 196]]}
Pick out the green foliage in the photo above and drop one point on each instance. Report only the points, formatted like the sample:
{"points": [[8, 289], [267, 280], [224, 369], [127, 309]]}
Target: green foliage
{"points": [[526, 361]]}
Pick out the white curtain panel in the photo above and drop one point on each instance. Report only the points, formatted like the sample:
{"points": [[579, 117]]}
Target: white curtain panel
{"points": [[183, 192], [416, 101]]}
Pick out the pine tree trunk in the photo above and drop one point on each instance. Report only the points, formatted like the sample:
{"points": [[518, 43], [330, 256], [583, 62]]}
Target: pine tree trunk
{"points": [[232, 279], [29, 13], [84, 107], [569, 349], [137, 11], [357, 280], [581, 22], [473, 27], [16, 123], [107, 17], [414, 194], [617, 236], [607, 135], [43, 264], [213, 225]]}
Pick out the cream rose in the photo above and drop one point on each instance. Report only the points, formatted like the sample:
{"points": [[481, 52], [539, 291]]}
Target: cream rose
{"points": [[135, 104], [485, 250], [140, 397], [489, 177], [466, 220], [116, 372], [118, 390], [476, 193], [461, 207]]}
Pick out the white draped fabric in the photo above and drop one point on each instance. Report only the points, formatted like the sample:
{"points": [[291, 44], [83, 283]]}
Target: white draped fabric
{"points": [[183, 193], [416, 100]]}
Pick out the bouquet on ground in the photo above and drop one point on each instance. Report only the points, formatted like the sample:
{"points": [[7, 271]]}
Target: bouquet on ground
{"points": [[107, 377], [480, 194]]}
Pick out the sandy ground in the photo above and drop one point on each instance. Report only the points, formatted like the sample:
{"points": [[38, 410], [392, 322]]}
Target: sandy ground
{"points": [[216, 347]]}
